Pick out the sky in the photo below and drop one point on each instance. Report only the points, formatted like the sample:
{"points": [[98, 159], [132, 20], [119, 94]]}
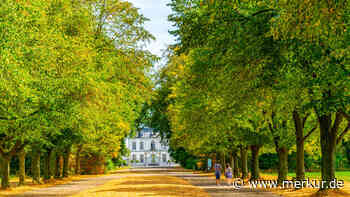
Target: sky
{"points": [[158, 26]]}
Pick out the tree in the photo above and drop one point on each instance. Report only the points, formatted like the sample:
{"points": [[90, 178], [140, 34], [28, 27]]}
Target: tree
{"points": [[319, 54], [66, 75]]}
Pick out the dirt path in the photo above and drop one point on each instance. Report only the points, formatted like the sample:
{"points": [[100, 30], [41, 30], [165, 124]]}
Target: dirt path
{"points": [[209, 185], [70, 188], [204, 182]]}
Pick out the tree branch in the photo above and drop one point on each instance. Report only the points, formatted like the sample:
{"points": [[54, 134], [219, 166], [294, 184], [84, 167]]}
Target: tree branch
{"points": [[337, 121], [19, 148], [304, 120], [272, 129], [6, 138], [3, 118], [15, 118], [263, 11], [345, 115], [343, 133], [2, 152], [15, 148], [310, 132]]}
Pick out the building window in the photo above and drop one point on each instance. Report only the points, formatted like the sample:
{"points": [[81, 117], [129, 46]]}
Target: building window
{"points": [[134, 158], [153, 146], [134, 146], [142, 158], [164, 157], [163, 146], [141, 145]]}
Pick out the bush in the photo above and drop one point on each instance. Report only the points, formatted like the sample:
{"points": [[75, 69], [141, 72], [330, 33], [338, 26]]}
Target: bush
{"points": [[191, 163], [268, 161], [119, 162], [110, 165]]}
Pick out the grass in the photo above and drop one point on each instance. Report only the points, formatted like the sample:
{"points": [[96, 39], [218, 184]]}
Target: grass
{"points": [[311, 192], [145, 186], [306, 192], [340, 175]]}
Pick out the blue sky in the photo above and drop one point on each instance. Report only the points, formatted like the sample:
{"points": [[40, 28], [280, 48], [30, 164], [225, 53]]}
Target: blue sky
{"points": [[157, 12]]}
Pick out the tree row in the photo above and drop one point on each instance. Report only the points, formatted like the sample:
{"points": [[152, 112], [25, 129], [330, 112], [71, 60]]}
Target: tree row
{"points": [[73, 78], [270, 76]]}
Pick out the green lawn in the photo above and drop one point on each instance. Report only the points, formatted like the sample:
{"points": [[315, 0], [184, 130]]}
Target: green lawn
{"points": [[341, 175]]}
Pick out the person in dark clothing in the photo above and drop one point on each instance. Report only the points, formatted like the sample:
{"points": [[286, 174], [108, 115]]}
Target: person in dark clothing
{"points": [[217, 168]]}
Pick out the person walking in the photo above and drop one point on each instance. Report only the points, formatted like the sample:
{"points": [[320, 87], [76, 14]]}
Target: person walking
{"points": [[228, 174], [217, 168]]}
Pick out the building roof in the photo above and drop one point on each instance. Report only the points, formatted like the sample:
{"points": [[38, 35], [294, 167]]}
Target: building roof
{"points": [[147, 132]]}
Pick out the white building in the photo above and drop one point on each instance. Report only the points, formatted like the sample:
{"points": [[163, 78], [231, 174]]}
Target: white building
{"points": [[147, 149]]}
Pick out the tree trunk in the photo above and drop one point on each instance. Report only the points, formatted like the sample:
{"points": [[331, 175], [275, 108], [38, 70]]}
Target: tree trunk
{"points": [[328, 147], [232, 162], [77, 160], [244, 161], [57, 166], [235, 166], [66, 162], [36, 167], [1, 163], [299, 134], [47, 159], [5, 178], [300, 166], [22, 167], [282, 164], [52, 161], [224, 162], [255, 162]]}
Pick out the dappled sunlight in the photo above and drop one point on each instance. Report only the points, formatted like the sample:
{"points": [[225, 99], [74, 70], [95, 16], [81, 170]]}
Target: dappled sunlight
{"points": [[155, 186], [29, 185]]}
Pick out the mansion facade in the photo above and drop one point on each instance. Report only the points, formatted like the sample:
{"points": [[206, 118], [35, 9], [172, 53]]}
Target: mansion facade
{"points": [[147, 150]]}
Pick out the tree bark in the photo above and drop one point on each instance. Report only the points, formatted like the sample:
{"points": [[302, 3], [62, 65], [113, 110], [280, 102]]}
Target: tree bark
{"points": [[66, 162], [235, 166], [244, 161], [22, 167], [300, 166], [255, 162], [57, 166], [300, 163], [282, 164], [224, 162], [5, 178], [47, 159], [328, 147], [36, 167], [1, 163], [77, 160], [52, 161]]}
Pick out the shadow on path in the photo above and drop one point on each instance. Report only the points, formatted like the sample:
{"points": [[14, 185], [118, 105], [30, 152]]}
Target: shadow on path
{"points": [[201, 181], [209, 185], [70, 188]]}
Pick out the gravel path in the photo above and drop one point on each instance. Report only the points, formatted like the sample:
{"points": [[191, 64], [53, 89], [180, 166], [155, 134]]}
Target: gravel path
{"points": [[70, 188], [209, 185], [204, 182]]}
